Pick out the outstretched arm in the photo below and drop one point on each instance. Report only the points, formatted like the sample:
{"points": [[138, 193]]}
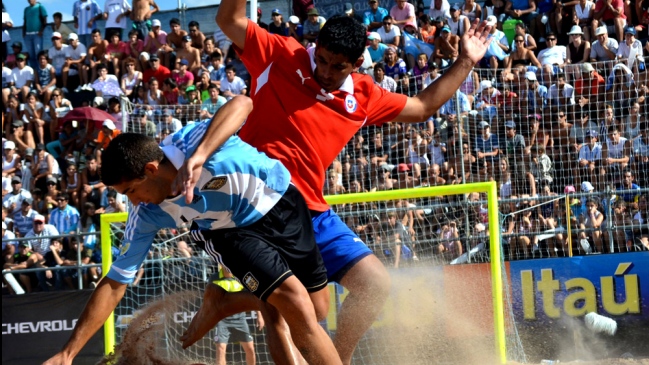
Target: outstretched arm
{"points": [[232, 20], [224, 124], [103, 301], [474, 42]]}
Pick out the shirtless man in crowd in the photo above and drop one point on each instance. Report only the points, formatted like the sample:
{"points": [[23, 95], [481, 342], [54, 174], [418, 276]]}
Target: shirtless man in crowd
{"points": [[174, 43], [141, 13], [191, 54], [97, 53]]}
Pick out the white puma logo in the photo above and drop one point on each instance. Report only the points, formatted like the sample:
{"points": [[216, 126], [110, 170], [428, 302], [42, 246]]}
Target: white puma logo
{"points": [[299, 73], [324, 96]]}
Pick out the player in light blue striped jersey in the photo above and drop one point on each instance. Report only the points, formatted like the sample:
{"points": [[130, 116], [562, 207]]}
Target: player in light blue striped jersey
{"points": [[246, 215]]}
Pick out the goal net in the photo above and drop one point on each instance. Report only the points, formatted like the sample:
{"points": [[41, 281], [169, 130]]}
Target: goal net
{"points": [[450, 300]]}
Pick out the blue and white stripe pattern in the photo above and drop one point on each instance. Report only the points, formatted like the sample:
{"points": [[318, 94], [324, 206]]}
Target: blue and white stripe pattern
{"points": [[84, 11], [237, 187], [66, 220]]}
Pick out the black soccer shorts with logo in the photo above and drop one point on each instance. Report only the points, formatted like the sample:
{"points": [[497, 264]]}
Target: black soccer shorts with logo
{"points": [[264, 254]]}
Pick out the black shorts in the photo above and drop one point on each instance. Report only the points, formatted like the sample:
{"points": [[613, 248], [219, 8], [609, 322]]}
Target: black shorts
{"points": [[264, 254]]}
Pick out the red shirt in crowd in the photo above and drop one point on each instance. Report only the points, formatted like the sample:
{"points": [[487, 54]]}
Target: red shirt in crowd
{"points": [[160, 74]]}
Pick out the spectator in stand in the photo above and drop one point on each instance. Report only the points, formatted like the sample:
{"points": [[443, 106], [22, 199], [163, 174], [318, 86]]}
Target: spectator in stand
{"points": [[295, 29], [189, 53], [592, 220], [216, 69], [75, 57], [376, 48], [156, 39], [472, 10], [498, 48], [312, 25], [141, 15], [52, 278], [404, 13], [116, 52], [174, 42], [13, 199], [22, 137], [170, 92], [198, 38], [561, 94], [24, 218], [489, 102], [388, 33], [231, 84], [641, 154], [114, 205], [71, 258], [59, 107], [85, 13], [130, 77], [524, 10], [65, 218], [44, 78], [641, 221], [616, 155], [10, 159], [203, 86], [553, 58], [590, 86], [71, 184], [56, 54], [91, 186], [457, 22], [630, 44], [536, 94], [182, 76], [24, 259], [447, 47], [519, 56], [373, 17], [439, 9], [583, 17], [578, 50], [22, 77], [115, 13], [609, 13], [604, 48], [628, 183], [590, 159], [97, 53], [35, 21], [168, 122], [486, 146], [157, 71], [33, 111], [451, 246], [213, 103], [106, 85], [528, 40], [395, 67], [142, 124], [277, 24], [9, 246], [44, 166], [107, 133], [59, 27], [381, 79]]}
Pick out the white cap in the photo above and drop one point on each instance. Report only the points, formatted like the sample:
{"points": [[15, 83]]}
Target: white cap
{"points": [[73, 36], [484, 84], [374, 35], [9, 145], [4, 225], [109, 124], [294, 19], [97, 101], [587, 186], [601, 30], [56, 35], [492, 20], [39, 218], [530, 75], [145, 56], [575, 30], [156, 23]]}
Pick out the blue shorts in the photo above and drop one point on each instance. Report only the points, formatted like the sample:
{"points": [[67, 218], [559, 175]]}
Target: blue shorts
{"points": [[340, 248]]}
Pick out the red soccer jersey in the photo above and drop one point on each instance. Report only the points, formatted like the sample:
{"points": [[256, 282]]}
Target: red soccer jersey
{"points": [[295, 121]]}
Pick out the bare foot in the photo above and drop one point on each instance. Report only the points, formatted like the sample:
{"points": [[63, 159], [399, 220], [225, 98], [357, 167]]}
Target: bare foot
{"points": [[208, 315]]}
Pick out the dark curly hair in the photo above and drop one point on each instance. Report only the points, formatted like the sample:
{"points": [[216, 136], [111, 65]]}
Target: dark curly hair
{"points": [[343, 35], [125, 157]]}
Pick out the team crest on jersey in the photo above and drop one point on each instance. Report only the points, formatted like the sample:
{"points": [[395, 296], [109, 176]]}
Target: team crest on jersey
{"points": [[250, 282], [124, 248], [350, 103], [215, 183]]}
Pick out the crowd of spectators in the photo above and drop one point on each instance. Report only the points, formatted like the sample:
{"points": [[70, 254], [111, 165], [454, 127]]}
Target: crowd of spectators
{"points": [[544, 112]]}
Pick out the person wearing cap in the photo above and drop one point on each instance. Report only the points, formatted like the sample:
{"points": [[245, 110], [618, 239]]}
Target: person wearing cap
{"points": [[369, 103], [457, 22], [439, 9], [390, 35], [373, 17], [56, 53], [142, 124], [578, 50], [22, 76], [515, 151], [75, 57], [115, 14], [44, 78], [20, 134], [35, 21], [610, 12], [498, 49], [489, 102], [631, 44], [86, 13], [348, 9], [376, 48], [168, 122], [486, 146], [295, 29], [313, 24], [108, 132], [24, 217], [156, 71], [579, 129], [590, 86], [141, 16], [604, 48], [447, 47], [277, 24], [537, 94], [403, 13], [590, 158], [10, 159], [155, 39], [13, 199], [182, 76], [24, 258], [41, 228], [191, 54]]}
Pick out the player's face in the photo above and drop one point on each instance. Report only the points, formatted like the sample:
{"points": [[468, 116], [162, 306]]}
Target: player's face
{"points": [[331, 69], [149, 189]]}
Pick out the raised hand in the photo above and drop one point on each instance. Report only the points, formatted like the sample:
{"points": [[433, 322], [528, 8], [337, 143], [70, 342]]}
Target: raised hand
{"points": [[476, 40]]}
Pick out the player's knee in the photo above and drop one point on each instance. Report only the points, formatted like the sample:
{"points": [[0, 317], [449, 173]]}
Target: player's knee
{"points": [[320, 301]]}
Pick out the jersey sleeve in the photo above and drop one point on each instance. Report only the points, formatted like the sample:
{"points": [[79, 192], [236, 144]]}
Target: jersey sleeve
{"points": [[182, 144], [138, 238], [260, 47], [384, 106]]}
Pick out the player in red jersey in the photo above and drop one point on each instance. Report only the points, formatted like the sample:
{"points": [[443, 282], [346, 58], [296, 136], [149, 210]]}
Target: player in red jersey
{"points": [[307, 105]]}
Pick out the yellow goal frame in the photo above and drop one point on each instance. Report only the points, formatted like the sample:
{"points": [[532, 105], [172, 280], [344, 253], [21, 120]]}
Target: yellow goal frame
{"points": [[489, 188]]}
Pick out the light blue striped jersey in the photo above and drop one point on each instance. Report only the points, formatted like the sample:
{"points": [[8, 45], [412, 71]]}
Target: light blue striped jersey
{"points": [[84, 11], [237, 187], [66, 220]]}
